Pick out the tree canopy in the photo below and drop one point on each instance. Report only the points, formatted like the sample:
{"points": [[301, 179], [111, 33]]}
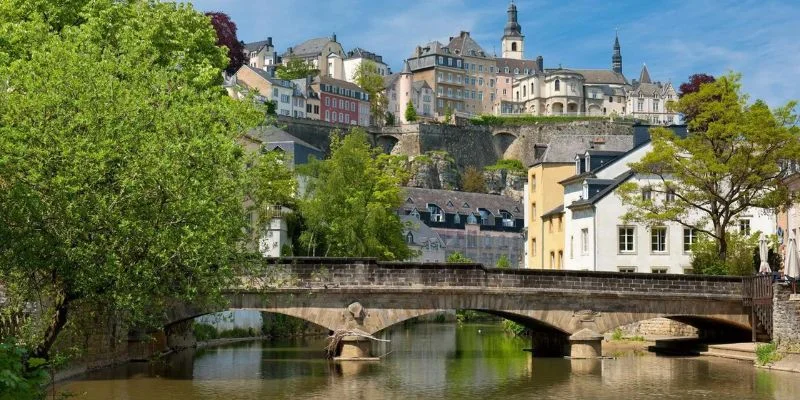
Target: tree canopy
{"points": [[121, 181], [732, 160], [295, 68], [472, 180], [351, 202], [226, 36], [368, 78], [694, 83]]}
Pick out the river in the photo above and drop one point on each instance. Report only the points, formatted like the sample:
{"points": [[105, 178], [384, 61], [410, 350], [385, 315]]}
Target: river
{"points": [[429, 361]]}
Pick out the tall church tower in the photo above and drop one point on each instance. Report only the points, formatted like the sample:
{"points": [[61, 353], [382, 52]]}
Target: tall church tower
{"points": [[513, 43], [616, 59]]}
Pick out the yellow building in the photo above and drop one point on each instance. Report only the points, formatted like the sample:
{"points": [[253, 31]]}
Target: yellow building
{"points": [[545, 196], [545, 224]]}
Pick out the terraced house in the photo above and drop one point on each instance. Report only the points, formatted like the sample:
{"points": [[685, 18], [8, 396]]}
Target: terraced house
{"points": [[341, 101]]}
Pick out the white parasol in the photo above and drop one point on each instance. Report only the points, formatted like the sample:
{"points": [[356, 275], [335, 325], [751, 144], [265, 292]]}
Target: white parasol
{"points": [[763, 253], [792, 260]]}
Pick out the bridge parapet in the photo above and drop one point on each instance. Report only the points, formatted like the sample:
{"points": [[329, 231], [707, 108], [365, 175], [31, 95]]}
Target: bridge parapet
{"points": [[369, 273]]}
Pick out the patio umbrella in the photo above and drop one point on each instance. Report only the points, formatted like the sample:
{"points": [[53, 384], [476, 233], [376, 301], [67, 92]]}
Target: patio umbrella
{"points": [[762, 254], [792, 259]]}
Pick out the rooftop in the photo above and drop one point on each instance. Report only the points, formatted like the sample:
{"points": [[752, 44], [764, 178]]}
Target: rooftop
{"points": [[460, 202]]}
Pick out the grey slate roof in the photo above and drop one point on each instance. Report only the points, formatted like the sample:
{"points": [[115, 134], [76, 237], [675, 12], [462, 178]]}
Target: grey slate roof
{"points": [[511, 63], [340, 83], [358, 52], [602, 76], [562, 149], [649, 88], [311, 47], [420, 232], [434, 47], [271, 134], [389, 80], [453, 202], [554, 212], [644, 76], [255, 46], [612, 184], [464, 45], [418, 85]]}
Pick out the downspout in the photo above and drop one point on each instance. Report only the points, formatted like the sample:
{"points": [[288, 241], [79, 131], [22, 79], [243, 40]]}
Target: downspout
{"points": [[594, 236]]}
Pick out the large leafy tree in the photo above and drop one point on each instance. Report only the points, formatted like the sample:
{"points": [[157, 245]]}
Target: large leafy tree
{"points": [[730, 161], [226, 36], [411, 112], [694, 83], [121, 181], [295, 68], [368, 78], [351, 202]]}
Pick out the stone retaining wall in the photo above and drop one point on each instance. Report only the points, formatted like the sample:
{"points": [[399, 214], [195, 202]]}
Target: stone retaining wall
{"points": [[785, 316]]}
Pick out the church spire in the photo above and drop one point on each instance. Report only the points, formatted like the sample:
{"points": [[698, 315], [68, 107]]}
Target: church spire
{"points": [[513, 42], [616, 58], [644, 77], [513, 28]]}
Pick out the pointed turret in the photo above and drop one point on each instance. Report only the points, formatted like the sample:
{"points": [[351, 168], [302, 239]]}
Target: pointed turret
{"points": [[616, 58], [406, 68], [644, 77]]}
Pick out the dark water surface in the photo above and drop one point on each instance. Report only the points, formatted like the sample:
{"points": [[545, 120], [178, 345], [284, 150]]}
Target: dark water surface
{"points": [[430, 361]]}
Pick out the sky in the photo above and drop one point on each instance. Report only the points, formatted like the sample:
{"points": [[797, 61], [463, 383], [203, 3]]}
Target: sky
{"points": [[759, 39]]}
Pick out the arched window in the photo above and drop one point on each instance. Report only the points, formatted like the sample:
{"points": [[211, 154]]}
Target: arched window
{"points": [[505, 69], [516, 71], [437, 215], [457, 218], [471, 219], [558, 85], [523, 91], [409, 238], [513, 46]]}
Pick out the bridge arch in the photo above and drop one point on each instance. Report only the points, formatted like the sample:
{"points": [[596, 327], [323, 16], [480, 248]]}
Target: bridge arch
{"points": [[501, 141], [387, 142]]}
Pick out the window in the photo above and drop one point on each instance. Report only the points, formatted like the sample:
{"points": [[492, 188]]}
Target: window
{"points": [[533, 183], [627, 269], [328, 103], [441, 60], [440, 103], [458, 78], [449, 92], [480, 95], [647, 193], [456, 219], [670, 195], [347, 118], [274, 92], [513, 46], [437, 215], [440, 91], [552, 260], [640, 105], [328, 118], [744, 226], [533, 247], [409, 238], [449, 61], [626, 237], [557, 85], [316, 109], [560, 259], [458, 63], [655, 105], [610, 99], [689, 238], [571, 247], [439, 77], [449, 77], [585, 241], [471, 219], [550, 226], [659, 270], [658, 239]]}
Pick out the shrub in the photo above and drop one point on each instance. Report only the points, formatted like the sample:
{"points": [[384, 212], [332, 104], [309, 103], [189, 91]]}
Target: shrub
{"points": [[473, 181], [515, 328], [457, 257], [739, 262], [204, 332], [510, 165], [503, 262], [617, 334], [21, 377], [767, 353]]}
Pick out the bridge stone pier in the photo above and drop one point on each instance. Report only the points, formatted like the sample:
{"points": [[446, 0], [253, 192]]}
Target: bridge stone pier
{"points": [[567, 311]]}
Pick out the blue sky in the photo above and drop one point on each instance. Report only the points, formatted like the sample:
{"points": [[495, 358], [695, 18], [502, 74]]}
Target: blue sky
{"points": [[760, 39]]}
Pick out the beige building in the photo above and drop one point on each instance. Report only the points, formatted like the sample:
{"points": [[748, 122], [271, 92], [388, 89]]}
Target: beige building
{"points": [[400, 89], [444, 72], [325, 54], [480, 74], [647, 100]]}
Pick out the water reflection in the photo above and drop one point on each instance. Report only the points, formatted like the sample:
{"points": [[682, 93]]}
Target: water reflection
{"points": [[429, 361]]}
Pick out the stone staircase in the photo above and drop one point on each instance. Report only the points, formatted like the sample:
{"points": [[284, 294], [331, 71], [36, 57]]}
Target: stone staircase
{"points": [[736, 351]]}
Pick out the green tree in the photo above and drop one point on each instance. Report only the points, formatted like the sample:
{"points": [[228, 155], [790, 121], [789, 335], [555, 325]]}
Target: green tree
{"points": [[121, 182], [472, 180], [368, 78], [731, 161], [389, 119], [295, 68], [351, 202], [272, 184], [739, 262], [411, 112], [503, 262], [448, 115], [457, 257]]}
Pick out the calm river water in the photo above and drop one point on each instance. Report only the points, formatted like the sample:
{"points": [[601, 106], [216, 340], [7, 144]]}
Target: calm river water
{"points": [[430, 361]]}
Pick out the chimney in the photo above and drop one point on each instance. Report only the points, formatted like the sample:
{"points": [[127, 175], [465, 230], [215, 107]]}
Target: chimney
{"points": [[333, 38], [540, 63], [598, 143], [269, 41]]}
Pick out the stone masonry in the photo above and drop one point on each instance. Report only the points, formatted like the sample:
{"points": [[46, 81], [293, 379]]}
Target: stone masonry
{"points": [[785, 316]]}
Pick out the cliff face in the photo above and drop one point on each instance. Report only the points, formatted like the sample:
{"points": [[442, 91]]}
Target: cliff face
{"points": [[505, 182], [438, 170]]}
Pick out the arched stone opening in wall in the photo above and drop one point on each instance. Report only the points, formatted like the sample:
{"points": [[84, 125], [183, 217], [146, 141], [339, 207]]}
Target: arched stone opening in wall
{"points": [[557, 108], [572, 108], [594, 109], [546, 340], [715, 330], [386, 143], [501, 142]]}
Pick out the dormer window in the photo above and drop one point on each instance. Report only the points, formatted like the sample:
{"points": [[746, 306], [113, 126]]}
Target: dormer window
{"points": [[578, 165], [409, 238], [587, 161], [415, 213], [585, 192], [437, 215]]}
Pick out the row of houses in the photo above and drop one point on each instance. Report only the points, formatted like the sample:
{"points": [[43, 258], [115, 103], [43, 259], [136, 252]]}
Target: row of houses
{"points": [[575, 217]]}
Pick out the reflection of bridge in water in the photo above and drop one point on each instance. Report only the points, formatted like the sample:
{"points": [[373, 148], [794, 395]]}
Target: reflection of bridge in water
{"points": [[567, 310]]}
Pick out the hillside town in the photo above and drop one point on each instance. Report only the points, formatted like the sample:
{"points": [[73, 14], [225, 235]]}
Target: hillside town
{"points": [[184, 214]]}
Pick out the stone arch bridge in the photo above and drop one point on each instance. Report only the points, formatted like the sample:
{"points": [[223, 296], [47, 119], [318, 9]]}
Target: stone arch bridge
{"points": [[565, 309]]}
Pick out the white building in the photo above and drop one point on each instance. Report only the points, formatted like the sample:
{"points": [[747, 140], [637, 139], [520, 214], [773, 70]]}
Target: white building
{"points": [[325, 54], [647, 100], [424, 240], [400, 89], [357, 56], [598, 239], [261, 54]]}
